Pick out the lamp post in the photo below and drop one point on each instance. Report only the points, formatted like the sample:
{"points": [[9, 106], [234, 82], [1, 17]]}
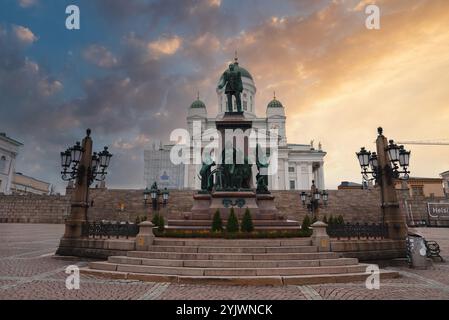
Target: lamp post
{"points": [[79, 164], [165, 195], [146, 194], [154, 193], [384, 169], [312, 200]]}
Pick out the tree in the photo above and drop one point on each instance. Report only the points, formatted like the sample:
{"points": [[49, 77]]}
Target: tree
{"points": [[340, 220], [305, 223], [217, 223], [233, 223], [159, 221], [314, 219], [247, 221], [331, 220], [325, 219], [161, 225]]}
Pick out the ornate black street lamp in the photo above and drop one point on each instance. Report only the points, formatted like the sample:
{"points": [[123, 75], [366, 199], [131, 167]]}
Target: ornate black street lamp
{"points": [[154, 193], [73, 170], [312, 200], [369, 163], [390, 163], [165, 195], [80, 164], [146, 193]]}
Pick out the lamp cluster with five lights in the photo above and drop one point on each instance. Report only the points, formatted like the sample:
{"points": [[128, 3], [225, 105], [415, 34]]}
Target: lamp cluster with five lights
{"points": [[72, 169], [397, 155]]}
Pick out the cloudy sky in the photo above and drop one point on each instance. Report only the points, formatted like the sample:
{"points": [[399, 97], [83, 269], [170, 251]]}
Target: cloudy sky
{"points": [[132, 70]]}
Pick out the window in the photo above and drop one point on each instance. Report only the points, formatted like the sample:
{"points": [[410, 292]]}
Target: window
{"points": [[2, 164], [291, 169], [245, 105], [417, 191], [292, 184]]}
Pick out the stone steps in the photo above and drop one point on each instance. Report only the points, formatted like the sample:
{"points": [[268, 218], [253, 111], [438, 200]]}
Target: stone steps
{"points": [[231, 263], [221, 261], [232, 256], [208, 223], [207, 228], [241, 280], [234, 242], [192, 271], [200, 249]]}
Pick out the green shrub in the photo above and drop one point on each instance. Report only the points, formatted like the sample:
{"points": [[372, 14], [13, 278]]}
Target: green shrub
{"points": [[247, 222], [325, 219], [340, 220], [217, 223], [233, 222], [305, 223], [161, 226], [159, 221], [314, 219], [331, 220]]}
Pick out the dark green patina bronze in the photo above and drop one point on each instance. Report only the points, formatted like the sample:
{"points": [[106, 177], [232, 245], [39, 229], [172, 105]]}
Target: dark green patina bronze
{"points": [[262, 168], [238, 202], [207, 179], [232, 79]]}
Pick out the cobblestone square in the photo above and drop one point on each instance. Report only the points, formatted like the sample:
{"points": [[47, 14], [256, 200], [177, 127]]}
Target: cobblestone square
{"points": [[29, 270]]}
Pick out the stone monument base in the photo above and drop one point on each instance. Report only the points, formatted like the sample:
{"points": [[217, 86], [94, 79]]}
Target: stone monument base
{"points": [[263, 211]]}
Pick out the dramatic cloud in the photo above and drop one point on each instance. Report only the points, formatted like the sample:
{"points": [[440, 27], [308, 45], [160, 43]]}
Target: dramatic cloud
{"points": [[337, 80], [27, 3], [165, 46], [24, 35], [100, 56]]}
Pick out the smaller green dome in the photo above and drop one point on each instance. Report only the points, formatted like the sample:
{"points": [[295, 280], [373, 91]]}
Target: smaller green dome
{"points": [[275, 104], [197, 104]]}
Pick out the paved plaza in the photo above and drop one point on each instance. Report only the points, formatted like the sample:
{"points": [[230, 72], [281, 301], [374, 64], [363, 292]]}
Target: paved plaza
{"points": [[29, 270]]}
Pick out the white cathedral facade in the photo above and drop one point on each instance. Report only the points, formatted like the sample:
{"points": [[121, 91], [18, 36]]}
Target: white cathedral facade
{"points": [[298, 164]]}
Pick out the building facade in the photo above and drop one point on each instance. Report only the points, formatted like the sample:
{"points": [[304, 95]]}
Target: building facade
{"points": [[23, 185], [422, 187], [159, 168], [9, 149], [445, 177], [298, 164]]}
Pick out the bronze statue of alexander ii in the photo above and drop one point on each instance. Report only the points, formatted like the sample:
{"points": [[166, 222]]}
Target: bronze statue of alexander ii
{"points": [[232, 79]]}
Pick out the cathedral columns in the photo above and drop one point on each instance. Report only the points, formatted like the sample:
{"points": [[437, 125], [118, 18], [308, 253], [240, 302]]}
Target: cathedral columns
{"points": [[286, 179], [321, 176], [299, 184]]}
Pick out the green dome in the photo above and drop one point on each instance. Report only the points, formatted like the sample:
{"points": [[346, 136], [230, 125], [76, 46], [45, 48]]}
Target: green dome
{"points": [[275, 104], [245, 73], [197, 104]]}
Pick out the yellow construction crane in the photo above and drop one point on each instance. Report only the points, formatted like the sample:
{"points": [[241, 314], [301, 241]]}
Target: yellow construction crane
{"points": [[425, 143]]}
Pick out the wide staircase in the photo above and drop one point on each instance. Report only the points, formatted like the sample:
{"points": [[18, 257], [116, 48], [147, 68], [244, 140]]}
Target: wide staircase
{"points": [[240, 262], [259, 225]]}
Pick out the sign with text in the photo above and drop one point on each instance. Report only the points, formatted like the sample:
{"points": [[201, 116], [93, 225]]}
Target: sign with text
{"points": [[438, 210]]}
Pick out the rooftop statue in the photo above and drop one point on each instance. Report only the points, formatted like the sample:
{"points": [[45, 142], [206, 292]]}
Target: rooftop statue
{"points": [[232, 79]]}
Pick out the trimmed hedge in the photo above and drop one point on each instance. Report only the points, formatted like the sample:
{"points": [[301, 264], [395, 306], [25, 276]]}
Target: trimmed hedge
{"points": [[233, 222], [159, 221], [217, 223], [247, 222]]}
